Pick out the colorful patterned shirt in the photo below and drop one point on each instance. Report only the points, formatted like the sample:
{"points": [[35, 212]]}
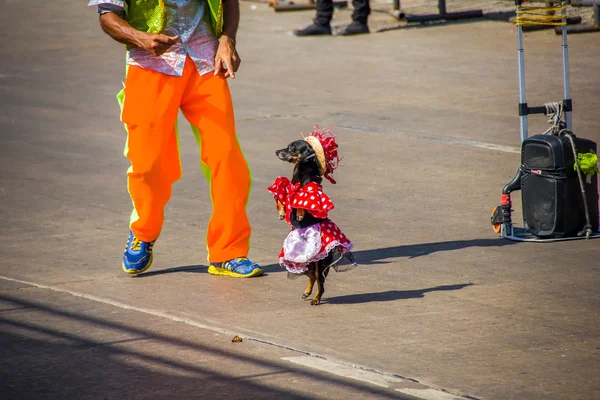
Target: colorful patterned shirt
{"points": [[188, 19]]}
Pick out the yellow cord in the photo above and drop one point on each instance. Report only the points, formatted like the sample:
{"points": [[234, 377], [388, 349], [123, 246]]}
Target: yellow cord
{"points": [[540, 15]]}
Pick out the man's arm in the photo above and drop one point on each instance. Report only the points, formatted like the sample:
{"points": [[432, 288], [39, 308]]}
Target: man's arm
{"points": [[227, 57], [118, 29]]}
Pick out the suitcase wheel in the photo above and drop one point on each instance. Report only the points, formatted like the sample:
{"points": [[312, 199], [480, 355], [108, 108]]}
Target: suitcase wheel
{"points": [[496, 219]]}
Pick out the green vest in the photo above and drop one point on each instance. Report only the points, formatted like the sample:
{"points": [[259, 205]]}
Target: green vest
{"points": [[150, 15]]}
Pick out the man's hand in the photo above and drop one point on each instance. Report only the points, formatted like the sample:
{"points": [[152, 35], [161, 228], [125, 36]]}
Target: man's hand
{"points": [[120, 30], [156, 43], [227, 58]]}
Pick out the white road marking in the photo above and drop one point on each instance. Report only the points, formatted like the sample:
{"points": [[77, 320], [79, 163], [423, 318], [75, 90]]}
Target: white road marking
{"points": [[122, 305], [308, 360], [429, 394], [444, 139], [345, 371], [471, 143]]}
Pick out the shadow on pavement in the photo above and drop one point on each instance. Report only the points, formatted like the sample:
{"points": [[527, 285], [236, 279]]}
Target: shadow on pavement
{"points": [[375, 256], [188, 268], [368, 257], [72, 362], [379, 256], [391, 295]]}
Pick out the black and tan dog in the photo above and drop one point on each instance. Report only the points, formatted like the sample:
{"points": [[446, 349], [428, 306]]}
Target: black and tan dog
{"points": [[309, 167], [306, 170]]}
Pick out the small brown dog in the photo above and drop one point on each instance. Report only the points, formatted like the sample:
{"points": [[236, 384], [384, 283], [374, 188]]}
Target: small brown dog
{"points": [[315, 244]]}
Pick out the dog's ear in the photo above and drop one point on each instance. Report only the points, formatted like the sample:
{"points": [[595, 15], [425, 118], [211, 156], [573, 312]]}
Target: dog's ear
{"points": [[303, 150], [307, 152], [300, 149]]}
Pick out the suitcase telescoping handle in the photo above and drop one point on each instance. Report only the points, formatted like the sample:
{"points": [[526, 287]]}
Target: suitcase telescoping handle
{"points": [[542, 16]]}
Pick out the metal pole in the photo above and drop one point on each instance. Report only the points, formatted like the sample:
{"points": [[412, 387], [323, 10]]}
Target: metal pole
{"points": [[522, 97], [443, 14], [442, 7], [567, 89]]}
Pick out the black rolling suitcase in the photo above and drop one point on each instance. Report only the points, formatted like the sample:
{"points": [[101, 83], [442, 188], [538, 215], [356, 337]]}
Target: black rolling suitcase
{"points": [[550, 190], [554, 208]]}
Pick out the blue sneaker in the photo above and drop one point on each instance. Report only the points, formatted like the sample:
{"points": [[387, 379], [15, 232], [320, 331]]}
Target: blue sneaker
{"points": [[239, 267], [138, 255]]}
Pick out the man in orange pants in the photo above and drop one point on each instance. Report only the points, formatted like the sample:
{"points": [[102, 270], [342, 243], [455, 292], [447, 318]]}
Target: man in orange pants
{"points": [[180, 54]]}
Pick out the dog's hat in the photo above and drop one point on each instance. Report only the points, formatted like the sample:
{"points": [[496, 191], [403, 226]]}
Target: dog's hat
{"points": [[325, 147]]}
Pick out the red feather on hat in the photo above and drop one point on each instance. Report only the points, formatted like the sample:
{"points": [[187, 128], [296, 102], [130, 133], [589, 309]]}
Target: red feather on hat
{"points": [[327, 140]]}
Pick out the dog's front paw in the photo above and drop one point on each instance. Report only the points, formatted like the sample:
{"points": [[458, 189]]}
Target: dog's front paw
{"points": [[300, 214], [305, 295], [315, 302], [280, 210]]}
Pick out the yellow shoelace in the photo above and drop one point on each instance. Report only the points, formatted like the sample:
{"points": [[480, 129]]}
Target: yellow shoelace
{"points": [[137, 245]]}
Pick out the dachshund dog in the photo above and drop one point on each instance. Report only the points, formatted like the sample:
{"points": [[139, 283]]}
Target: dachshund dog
{"points": [[308, 176], [306, 170]]}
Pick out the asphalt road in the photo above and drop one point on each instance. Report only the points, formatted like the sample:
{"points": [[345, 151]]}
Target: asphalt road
{"points": [[426, 121]]}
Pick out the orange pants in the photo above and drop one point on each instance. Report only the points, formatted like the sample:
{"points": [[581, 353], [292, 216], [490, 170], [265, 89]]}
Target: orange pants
{"points": [[150, 106]]}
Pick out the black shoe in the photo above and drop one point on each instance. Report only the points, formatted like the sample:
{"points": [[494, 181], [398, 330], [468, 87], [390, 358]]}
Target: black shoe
{"points": [[355, 28], [313, 30]]}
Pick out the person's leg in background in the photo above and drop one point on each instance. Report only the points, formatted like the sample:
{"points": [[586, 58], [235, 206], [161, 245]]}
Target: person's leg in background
{"points": [[321, 24], [149, 112], [361, 12], [207, 105]]}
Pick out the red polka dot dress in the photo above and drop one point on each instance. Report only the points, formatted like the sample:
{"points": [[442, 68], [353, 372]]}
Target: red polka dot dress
{"points": [[313, 243]]}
